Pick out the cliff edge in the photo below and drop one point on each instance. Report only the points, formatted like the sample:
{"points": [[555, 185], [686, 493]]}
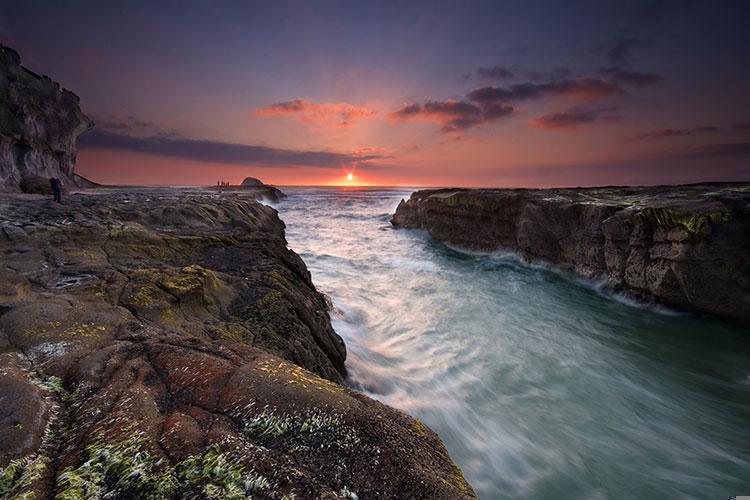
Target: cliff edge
{"points": [[684, 246], [39, 124], [168, 344]]}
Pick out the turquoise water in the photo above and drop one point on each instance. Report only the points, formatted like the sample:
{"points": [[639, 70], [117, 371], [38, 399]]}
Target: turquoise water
{"points": [[540, 385]]}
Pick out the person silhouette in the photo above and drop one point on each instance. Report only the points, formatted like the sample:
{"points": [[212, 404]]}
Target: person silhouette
{"points": [[56, 189]]}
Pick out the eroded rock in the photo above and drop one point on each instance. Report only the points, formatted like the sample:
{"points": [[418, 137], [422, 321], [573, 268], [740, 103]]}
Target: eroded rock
{"points": [[168, 344], [684, 246]]}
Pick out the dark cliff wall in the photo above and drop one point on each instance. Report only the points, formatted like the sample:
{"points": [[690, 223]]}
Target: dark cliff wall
{"points": [[39, 124], [685, 246]]}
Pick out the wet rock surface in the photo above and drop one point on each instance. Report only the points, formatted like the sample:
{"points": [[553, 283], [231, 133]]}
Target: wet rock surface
{"points": [[168, 344], [684, 246]]}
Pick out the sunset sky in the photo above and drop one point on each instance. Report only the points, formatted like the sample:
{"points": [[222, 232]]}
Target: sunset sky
{"points": [[400, 93]]}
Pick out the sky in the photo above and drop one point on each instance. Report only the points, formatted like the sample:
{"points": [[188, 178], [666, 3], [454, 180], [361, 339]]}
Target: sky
{"points": [[501, 94]]}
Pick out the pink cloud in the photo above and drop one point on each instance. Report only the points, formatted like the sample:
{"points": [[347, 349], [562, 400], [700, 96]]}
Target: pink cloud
{"points": [[333, 114]]}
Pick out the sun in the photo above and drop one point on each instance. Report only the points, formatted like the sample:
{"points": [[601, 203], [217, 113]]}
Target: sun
{"points": [[349, 176]]}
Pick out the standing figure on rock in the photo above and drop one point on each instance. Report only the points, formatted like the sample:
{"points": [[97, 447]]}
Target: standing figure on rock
{"points": [[56, 189]]}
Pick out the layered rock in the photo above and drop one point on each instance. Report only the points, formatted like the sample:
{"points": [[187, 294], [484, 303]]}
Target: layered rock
{"points": [[168, 344], [39, 124], [684, 246]]}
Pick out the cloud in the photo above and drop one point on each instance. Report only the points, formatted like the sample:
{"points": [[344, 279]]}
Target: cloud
{"points": [[741, 126], [453, 114], [633, 78], [124, 123], [721, 150], [335, 114], [490, 103], [556, 74], [495, 73], [621, 51], [575, 118], [580, 88], [668, 133], [223, 152], [565, 120]]}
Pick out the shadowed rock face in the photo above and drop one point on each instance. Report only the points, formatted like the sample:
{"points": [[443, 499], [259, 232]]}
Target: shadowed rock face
{"points": [[39, 124], [255, 187], [167, 344], [251, 181], [684, 246]]}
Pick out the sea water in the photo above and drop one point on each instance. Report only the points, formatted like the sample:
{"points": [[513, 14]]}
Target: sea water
{"points": [[539, 384]]}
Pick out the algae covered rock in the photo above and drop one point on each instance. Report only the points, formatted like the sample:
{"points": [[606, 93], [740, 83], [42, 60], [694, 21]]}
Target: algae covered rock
{"points": [[168, 344]]}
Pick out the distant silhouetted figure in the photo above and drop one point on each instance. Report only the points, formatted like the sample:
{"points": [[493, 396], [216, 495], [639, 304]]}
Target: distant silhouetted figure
{"points": [[56, 189]]}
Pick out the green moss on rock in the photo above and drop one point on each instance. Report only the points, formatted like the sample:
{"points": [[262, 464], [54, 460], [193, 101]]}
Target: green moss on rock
{"points": [[691, 222], [129, 470]]}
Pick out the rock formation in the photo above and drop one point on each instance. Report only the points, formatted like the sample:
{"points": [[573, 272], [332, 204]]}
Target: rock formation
{"points": [[684, 246], [256, 187], [251, 181], [39, 123], [169, 345]]}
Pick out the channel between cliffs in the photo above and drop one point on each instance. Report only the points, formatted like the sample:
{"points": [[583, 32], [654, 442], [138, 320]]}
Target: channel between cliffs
{"points": [[687, 247]]}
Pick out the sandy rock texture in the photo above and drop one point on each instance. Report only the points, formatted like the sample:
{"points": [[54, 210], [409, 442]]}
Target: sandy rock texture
{"points": [[168, 344], [684, 246]]}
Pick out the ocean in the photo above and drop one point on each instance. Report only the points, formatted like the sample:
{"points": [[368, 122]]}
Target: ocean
{"points": [[540, 384]]}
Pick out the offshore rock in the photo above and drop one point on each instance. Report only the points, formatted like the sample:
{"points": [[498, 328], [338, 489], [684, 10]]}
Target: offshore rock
{"points": [[684, 246], [167, 344], [256, 187], [39, 124]]}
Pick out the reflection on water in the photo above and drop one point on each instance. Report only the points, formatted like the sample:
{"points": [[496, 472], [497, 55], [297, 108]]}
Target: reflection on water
{"points": [[539, 385]]}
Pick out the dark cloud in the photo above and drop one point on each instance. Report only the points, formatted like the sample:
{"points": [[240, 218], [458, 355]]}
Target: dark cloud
{"points": [[454, 115], [485, 104], [565, 120], [585, 88], [740, 150], [221, 152], [123, 123], [555, 74], [667, 133], [574, 118], [741, 126], [620, 53], [495, 73], [632, 78]]}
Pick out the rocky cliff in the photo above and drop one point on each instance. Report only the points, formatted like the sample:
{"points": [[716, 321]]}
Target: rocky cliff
{"points": [[168, 344], [684, 246], [39, 123]]}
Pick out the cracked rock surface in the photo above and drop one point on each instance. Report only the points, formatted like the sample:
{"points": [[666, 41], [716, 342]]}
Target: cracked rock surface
{"points": [[684, 246], [167, 344]]}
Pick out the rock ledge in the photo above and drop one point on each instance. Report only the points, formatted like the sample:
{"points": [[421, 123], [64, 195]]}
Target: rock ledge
{"points": [[684, 246]]}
